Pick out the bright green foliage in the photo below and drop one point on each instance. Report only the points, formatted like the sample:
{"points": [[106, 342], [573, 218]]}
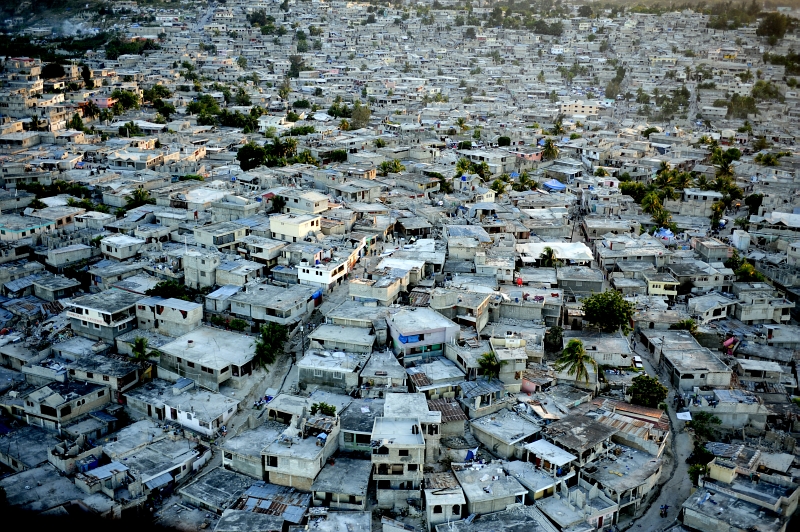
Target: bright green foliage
{"points": [[647, 391], [270, 342], [323, 408], [575, 361], [490, 365], [608, 311]]}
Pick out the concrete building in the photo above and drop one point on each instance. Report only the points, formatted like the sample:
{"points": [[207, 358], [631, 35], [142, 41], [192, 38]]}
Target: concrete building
{"points": [[298, 455], [200, 356], [263, 303], [199, 411], [444, 499], [293, 228], [337, 370], [342, 485], [505, 433], [488, 490], [170, 317], [121, 247], [418, 333], [398, 456], [104, 316], [56, 404]]}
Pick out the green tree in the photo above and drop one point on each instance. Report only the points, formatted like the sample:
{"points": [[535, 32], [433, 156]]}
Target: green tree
{"points": [[685, 325], [647, 391], [548, 258], [504, 141], [554, 339], [140, 353], [251, 155], [773, 26], [323, 408], [75, 122], [138, 198], [704, 425], [490, 365], [128, 99], [269, 343], [360, 116], [390, 167], [608, 311], [575, 361], [549, 150]]}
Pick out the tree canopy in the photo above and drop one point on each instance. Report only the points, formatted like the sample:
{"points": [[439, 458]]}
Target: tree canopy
{"points": [[608, 311], [647, 391], [269, 343], [575, 361]]}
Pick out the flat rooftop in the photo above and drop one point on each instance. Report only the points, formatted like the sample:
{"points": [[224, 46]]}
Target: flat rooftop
{"points": [[345, 476], [529, 476], [579, 432], [397, 432], [736, 513], [219, 488], [208, 406], [692, 360], [479, 484], [332, 360], [628, 470], [337, 333], [338, 522], [109, 301], [213, 348], [409, 405], [506, 426], [409, 321], [250, 442], [517, 519]]}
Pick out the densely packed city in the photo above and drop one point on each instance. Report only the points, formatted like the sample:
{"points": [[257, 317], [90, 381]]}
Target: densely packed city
{"points": [[460, 266]]}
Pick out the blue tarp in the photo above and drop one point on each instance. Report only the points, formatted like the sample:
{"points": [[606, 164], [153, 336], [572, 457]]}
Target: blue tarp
{"points": [[555, 184], [664, 233], [409, 339]]}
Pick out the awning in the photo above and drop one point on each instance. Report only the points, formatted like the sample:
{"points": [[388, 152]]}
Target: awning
{"points": [[161, 480]]}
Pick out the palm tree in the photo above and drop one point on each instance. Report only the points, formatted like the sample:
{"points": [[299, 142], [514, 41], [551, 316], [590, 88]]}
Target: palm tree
{"points": [[683, 180], [548, 258], [463, 166], [549, 150], [651, 202], [663, 167], [662, 217], [91, 109], [575, 361], [490, 365], [141, 356], [461, 122], [138, 198]]}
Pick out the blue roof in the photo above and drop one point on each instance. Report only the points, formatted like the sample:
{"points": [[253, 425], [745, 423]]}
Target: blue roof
{"points": [[555, 184]]}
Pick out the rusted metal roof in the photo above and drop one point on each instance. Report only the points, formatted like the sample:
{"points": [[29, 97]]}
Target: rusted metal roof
{"points": [[449, 409]]}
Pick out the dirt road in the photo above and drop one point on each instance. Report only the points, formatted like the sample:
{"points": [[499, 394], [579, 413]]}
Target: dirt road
{"points": [[676, 485]]}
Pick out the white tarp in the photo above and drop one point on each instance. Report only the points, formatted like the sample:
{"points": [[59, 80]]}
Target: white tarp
{"points": [[685, 416]]}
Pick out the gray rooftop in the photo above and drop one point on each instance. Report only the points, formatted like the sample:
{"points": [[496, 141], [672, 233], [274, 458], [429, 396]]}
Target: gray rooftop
{"points": [[110, 301], [219, 488], [345, 476]]}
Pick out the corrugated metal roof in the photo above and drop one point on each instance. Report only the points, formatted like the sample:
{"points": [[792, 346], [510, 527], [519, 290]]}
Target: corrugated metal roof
{"points": [[449, 409]]}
